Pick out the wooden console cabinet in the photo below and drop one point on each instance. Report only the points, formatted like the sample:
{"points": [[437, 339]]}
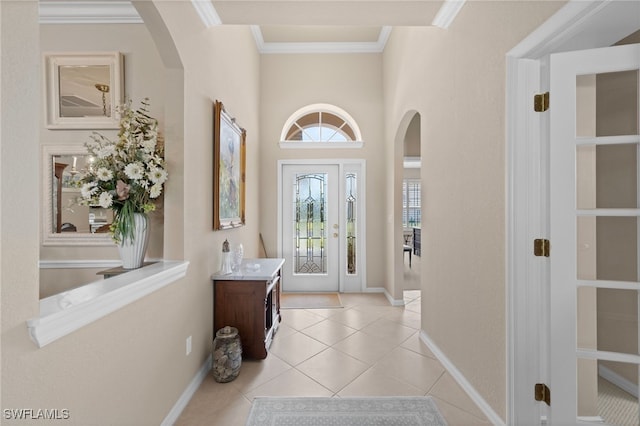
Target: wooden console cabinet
{"points": [[249, 300]]}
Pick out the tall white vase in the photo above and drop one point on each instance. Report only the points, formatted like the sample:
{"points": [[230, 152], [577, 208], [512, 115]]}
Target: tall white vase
{"points": [[132, 252]]}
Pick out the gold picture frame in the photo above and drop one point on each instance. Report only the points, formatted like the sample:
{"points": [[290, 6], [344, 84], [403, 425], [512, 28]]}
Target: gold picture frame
{"points": [[83, 90], [229, 163]]}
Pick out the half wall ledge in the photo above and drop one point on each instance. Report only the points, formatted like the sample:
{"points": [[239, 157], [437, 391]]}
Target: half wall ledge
{"points": [[66, 312]]}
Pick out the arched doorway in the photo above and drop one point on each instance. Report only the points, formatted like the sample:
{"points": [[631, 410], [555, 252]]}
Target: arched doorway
{"points": [[411, 208], [407, 208]]}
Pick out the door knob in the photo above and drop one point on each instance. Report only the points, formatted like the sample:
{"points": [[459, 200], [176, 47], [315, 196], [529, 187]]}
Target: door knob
{"points": [[335, 235]]}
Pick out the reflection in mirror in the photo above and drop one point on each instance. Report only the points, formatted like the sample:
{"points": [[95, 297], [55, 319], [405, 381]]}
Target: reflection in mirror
{"points": [[66, 220], [69, 215], [83, 90]]}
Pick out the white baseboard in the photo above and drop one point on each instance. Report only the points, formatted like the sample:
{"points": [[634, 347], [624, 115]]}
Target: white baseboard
{"points": [[373, 290], [493, 417], [188, 393], [383, 290], [618, 380], [591, 419], [394, 302]]}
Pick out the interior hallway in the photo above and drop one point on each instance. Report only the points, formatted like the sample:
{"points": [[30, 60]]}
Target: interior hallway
{"points": [[367, 348]]}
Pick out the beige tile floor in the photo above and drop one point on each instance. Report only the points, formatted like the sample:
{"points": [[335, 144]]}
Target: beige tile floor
{"points": [[367, 348]]}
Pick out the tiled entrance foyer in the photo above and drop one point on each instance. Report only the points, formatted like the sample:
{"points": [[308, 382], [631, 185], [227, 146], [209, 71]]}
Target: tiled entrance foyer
{"points": [[367, 348]]}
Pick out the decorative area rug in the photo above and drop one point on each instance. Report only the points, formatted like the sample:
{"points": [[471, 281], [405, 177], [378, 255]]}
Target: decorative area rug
{"points": [[374, 411], [310, 300]]}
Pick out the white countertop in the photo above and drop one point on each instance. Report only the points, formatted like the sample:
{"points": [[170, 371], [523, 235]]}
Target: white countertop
{"points": [[253, 270]]}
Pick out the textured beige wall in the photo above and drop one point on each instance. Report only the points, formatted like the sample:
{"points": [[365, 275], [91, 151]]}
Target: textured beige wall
{"points": [[129, 367], [351, 82], [412, 138], [455, 78]]}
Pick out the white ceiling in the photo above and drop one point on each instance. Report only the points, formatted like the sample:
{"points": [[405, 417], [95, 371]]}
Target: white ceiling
{"points": [[283, 26]]}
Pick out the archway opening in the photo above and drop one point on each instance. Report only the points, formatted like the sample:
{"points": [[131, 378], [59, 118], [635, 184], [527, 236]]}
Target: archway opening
{"points": [[411, 209]]}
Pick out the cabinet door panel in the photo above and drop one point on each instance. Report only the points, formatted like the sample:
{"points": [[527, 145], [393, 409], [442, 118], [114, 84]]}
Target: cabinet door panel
{"points": [[241, 304]]}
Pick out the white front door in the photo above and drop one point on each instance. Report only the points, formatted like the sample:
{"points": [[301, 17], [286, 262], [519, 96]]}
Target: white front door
{"points": [[594, 230], [310, 227]]}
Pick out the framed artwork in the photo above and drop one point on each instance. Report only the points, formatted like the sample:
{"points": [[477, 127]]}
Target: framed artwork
{"points": [[229, 162], [83, 90]]}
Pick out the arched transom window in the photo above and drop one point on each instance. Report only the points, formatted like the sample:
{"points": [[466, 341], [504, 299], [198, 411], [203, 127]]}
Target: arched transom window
{"points": [[320, 125]]}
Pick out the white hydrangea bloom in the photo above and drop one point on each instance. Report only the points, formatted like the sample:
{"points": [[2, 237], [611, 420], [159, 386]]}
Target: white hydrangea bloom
{"points": [[88, 189], [134, 170], [158, 175], [104, 174], [106, 200], [155, 191]]}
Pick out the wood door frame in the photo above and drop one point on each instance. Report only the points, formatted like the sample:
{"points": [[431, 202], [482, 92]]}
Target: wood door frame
{"points": [[348, 283], [578, 25]]}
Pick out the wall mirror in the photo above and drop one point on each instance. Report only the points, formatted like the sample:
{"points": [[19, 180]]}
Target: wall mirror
{"points": [[65, 221]]}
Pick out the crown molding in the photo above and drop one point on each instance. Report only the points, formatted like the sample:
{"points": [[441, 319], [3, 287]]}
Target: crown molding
{"points": [[447, 13], [320, 47], [207, 13], [88, 12]]}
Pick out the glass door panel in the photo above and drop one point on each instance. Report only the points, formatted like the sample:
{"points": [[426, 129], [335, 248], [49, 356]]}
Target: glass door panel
{"points": [[310, 223], [607, 248], [608, 320], [607, 104], [351, 208], [608, 392]]}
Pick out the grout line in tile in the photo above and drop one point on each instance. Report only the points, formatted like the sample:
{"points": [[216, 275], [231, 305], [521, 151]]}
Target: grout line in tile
{"points": [[444, 371]]}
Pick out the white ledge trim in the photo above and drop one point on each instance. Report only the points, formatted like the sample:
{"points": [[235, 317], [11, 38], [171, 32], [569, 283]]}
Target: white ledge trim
{"points": [[64, 313], [320, 145], [83, 263]]}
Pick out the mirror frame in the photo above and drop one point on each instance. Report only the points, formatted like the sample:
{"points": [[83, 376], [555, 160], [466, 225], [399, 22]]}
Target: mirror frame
{"points": [[48, 237]]}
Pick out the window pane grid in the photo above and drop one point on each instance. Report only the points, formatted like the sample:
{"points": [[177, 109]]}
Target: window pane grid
{"points": [[411, 203], [320, 127]]}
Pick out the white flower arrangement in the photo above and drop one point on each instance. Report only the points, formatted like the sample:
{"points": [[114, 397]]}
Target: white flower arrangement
{"points": [[126, 175]]}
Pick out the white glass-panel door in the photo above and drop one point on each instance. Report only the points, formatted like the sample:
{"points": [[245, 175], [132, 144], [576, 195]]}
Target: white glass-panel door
{"points": [[595, 255], [310, 227]]}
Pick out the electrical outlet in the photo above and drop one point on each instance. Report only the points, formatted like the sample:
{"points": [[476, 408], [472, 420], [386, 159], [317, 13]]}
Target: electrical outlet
{"points": [[188, 345]]}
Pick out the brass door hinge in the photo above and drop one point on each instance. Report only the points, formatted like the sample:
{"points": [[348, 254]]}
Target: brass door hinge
{"points": [[541, 102], [543, 393], [541, 247]]}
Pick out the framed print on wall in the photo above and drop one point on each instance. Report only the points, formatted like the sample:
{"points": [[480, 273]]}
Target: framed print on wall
{"points": [[83, 90], [229, 157]]}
